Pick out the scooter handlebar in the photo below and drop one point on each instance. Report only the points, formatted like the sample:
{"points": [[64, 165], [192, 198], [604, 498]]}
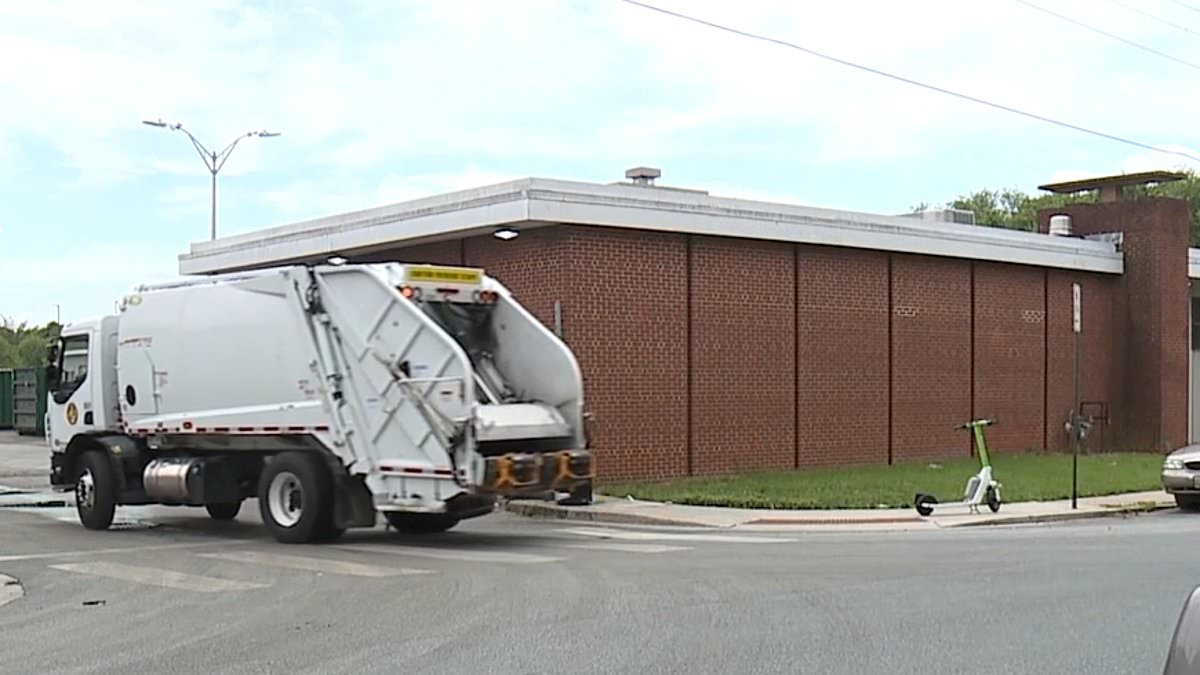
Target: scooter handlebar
{"points": [[985, 423]]}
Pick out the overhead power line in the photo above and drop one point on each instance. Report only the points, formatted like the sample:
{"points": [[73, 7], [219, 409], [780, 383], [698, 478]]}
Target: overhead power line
{"points": [[1105, 33], [1184, 4], [1148, 15], [900, 78]]}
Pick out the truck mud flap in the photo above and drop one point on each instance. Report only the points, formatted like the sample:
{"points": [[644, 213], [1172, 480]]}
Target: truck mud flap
{"points": [[352, 504]]}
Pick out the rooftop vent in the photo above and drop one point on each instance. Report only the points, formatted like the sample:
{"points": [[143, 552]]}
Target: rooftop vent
{"points": [[643, 175], [959, 216], [1060, 225]]}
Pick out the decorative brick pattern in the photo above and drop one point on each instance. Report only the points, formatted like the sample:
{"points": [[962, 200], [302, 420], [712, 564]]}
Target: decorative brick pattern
{"points": [[743, 355], [931, 357], [842, 356]]}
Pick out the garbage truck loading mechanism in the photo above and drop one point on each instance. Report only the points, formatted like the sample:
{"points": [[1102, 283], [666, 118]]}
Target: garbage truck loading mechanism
{"points": [[331, 393]]}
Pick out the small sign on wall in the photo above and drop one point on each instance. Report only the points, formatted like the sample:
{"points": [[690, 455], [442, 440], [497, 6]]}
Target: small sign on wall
{"points": [[1075, 308]]}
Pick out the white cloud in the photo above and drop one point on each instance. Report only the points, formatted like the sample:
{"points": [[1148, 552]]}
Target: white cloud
{"points": [[360, 86], [313, 198], [1155, 161], [30, 285], [1139, 162]]}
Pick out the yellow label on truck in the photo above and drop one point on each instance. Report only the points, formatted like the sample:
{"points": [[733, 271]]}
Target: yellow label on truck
{"points": [[448, 275]]}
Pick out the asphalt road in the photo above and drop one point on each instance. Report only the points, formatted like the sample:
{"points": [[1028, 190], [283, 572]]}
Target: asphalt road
{"points": [[509, 595]]}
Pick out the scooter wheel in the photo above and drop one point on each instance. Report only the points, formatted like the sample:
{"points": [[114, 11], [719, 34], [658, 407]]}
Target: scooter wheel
{"points": [[993, 499], [925, 504]]}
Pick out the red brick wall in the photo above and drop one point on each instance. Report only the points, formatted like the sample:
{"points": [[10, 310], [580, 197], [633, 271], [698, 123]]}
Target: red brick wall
{"points": [[931, 356], [709, 355], [842, 356], [743, 404], [626, 319], [436, 253], [1150, 313], [1009, 354], [531, 266]]}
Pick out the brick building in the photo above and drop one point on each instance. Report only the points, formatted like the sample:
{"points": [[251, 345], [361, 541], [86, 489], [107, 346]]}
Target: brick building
{"points": [[722, 334]]}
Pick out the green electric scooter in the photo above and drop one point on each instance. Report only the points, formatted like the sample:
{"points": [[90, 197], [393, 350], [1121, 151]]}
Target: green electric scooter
{"points": [[981, 488]]}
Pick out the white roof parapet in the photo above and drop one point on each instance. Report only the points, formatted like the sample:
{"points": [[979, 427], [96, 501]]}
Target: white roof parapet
{"points": [[538, 201]]}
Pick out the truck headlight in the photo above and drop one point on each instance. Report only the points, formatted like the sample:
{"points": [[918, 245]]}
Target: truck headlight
{"points": [[1171, 463]]}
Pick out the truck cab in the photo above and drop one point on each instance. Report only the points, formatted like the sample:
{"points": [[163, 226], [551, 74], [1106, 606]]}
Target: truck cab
{"points": [[82, 382]]}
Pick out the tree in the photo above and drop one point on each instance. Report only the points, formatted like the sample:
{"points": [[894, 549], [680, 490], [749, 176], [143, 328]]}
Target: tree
{"points": [[1016, 210], [24, 347]]}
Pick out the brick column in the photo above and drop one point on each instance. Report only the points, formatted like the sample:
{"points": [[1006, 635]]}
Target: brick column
{"points": [[1150, 317]]}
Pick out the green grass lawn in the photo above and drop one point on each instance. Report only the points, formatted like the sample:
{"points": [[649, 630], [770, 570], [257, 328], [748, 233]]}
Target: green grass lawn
{"points": [[1023, 477]]}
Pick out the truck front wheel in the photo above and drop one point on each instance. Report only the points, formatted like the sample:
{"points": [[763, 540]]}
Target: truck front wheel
{"points": [[95, 491], [295, 497]]}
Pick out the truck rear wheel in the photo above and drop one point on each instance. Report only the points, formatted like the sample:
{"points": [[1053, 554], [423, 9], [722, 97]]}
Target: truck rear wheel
{"points": [[295, 498], [420, 523], [96, 491]]}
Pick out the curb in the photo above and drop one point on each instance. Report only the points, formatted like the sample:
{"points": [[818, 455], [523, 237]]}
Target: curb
{"points": [[881, 520], [1122, 511], [554, 511], [557, 512]]}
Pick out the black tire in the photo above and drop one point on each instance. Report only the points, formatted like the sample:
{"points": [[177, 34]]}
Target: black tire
{"points": [[223, 510], [924, 504], [303, 489], [326, 530], [96, 490], [1188, 502], [580, 496], [992, 499], [420, 523]]}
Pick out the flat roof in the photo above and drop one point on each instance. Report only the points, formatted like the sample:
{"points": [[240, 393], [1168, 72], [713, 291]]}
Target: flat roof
{"points": [[539, 202], [1120, 180]]}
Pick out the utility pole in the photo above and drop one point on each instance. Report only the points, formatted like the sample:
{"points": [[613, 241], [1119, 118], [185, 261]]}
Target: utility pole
{"points": [[213, 161], [1076, 415], [58, 313]]}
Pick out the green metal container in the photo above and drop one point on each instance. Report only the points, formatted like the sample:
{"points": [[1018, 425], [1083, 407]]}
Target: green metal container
{"points": [[29, 401], [6, 398]]}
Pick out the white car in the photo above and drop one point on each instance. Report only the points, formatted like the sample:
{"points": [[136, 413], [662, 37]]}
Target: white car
{"points": [[1181, 476]]}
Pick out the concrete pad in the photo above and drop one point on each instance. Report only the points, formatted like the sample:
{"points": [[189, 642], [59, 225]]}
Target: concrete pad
{"points": [[23, 455]]}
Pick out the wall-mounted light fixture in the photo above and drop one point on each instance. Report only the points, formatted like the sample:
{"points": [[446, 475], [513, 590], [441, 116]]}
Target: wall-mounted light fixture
{"points": [[506, 233]]}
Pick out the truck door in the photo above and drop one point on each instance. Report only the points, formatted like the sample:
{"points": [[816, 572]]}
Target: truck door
{"points": [[70, 407]]}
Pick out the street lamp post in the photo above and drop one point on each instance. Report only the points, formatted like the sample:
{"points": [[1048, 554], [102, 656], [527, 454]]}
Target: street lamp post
{"points": [[213, 160]]}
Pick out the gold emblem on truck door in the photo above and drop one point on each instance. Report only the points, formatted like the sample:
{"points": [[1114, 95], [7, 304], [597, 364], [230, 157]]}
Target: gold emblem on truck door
{"points": [[72, 414]]}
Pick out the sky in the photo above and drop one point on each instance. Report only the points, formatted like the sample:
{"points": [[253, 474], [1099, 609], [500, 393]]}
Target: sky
{"points": [[379, 101]]}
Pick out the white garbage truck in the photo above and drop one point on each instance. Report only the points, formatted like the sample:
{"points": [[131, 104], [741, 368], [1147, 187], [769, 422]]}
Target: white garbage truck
{"points": [[330, 393]]}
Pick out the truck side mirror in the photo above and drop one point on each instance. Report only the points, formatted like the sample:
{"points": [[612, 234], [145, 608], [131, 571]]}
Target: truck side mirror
{"points": [[1184, 654], [52, 364]]}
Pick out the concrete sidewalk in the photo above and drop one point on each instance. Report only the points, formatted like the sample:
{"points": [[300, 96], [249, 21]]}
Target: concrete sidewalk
{"points": [[23, 456], [613, 510]]}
